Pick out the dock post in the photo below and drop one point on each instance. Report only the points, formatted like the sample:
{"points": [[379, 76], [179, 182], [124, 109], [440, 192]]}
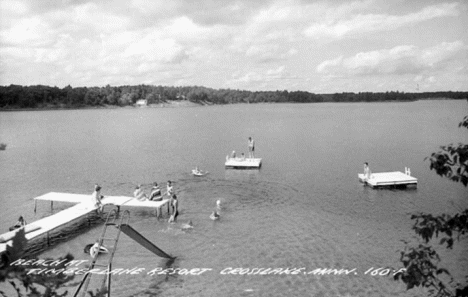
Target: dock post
{"points": [[158, 212], [35, 205], [109, 280]]}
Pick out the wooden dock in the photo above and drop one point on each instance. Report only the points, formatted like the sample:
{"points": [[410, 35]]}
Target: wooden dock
{"points": [[243, 163], [388, 179], [84, 207]]}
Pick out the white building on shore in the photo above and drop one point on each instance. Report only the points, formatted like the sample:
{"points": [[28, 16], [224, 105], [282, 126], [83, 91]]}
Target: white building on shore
{"points": [[141, 102]]}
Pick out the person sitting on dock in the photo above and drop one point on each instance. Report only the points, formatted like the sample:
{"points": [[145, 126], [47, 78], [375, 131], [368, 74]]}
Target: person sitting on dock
{"points": [[367, 171], [96, 198], [242, 158], [21, 223], [233, 155], [139, 194], [175, 209], [251, 144], [155, 193]]}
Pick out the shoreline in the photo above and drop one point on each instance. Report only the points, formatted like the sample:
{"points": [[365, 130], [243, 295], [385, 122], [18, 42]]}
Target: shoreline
{"points": [[186, 103], [167, 104]]}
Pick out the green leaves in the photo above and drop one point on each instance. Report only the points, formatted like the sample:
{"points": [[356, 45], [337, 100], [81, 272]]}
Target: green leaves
{"points": [[422, 262], [32, 285], [452, 161]]}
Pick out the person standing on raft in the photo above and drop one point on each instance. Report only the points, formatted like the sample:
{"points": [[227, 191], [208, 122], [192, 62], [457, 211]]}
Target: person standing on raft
{"points": [[251, 144], [367, 171]]}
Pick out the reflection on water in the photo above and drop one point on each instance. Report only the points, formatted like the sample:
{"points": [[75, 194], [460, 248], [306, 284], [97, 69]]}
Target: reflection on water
{"points": [[303, 208], [241, 174]]}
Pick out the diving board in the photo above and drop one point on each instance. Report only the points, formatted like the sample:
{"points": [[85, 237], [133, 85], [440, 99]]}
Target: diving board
{"points": [[388, 179], [243, 163]]}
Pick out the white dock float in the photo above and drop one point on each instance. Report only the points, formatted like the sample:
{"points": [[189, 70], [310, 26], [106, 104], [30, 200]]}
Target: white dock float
{"points": [[107, 200], [85, 206], [243, 163], [388, 179]]}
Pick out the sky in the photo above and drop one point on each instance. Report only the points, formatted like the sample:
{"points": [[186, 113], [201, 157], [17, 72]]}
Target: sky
{"points": [[262, 45]]}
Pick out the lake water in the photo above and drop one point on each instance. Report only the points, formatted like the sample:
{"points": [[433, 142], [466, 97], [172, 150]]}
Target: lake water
{"points": [[303, 209]]}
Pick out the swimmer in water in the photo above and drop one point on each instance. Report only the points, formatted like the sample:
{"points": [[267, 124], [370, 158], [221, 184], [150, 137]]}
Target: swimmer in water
{"points": [[214, 216], [189, 225]]}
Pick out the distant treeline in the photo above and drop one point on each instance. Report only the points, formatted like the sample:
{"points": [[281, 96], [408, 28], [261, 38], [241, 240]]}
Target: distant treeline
{"points": [[15, 96]]}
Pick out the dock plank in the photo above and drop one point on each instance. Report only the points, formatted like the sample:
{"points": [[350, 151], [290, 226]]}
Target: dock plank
{"points": [[64, 197]]}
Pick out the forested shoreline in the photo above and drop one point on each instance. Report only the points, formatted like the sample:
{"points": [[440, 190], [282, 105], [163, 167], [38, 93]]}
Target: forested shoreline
{"points": [[39, 96]]}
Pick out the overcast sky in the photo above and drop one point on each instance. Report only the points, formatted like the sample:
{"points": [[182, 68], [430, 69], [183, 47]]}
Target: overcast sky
{"points": [[315, 46]]}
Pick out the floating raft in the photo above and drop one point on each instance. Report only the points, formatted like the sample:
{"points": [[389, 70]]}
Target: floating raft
{"points": [[84, 207], [239, 163], [388, 179]]}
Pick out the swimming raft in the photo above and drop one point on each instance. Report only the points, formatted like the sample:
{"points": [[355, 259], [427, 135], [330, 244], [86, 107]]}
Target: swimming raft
{"points": [[389, 179], [243, 163]]}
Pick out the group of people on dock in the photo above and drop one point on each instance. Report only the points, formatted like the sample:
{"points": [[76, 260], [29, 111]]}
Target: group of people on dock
{"points": [[140, 195], [251, 146], [155, 193]]}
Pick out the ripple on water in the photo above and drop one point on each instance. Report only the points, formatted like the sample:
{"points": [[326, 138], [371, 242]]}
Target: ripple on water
{"points": [[263, 224]]}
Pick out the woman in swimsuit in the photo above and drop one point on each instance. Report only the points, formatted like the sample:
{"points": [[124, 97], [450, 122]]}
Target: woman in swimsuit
{"points": [[139, 194]]}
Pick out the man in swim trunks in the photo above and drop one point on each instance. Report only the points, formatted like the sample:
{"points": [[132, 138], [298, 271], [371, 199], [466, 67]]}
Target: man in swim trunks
{"points": [[251, 147], [170, 189], [175, 208], [367, 172]]}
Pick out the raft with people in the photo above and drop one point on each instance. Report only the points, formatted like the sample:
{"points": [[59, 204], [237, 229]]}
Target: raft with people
{"points": [[198, 172]]}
